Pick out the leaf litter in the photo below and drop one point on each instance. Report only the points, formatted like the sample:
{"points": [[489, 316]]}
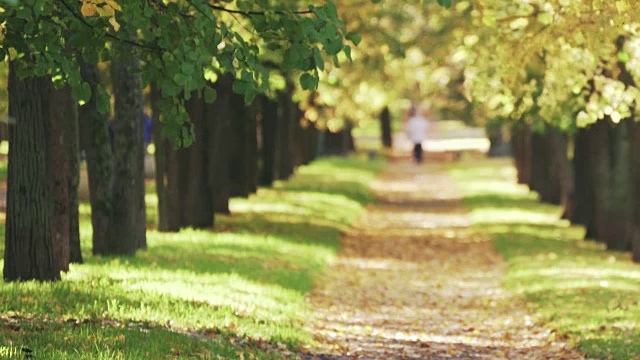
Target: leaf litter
{"points": [[414, 281]]}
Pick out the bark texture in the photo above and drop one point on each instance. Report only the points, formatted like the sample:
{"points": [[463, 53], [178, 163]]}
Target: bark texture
{"points": [[128, 218], [29, 248]]}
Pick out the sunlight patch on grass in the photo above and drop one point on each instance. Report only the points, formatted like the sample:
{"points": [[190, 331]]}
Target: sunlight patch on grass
{"points": [[589, 295], [249, 278]]}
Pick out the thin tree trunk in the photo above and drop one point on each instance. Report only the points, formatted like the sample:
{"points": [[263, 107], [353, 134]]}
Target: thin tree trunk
{"points": [[73, 180], [220, 147], [270, 138], [385, 127], [238, 146], [129, 213], [160, 158], [600, 166], [252, 147], [99, 159], [286, 119], [28, 240]]}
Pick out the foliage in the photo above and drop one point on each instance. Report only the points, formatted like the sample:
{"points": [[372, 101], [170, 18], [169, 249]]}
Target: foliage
{"points": [[586, 295], [398, 60], [183, 44], [240, 289], [573, 48]]}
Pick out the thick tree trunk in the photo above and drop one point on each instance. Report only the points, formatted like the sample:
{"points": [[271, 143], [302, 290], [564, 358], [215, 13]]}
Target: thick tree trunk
{"points": [[58, 169], [270, 138], [129, 214], [561, 169], [336, 143], [600, 166], [543, 176], [28, 240], [197, 208], [620, 211], [160, 157], [385, 127], [521, 145], [635, 183], [583, 201], [99, 161]]}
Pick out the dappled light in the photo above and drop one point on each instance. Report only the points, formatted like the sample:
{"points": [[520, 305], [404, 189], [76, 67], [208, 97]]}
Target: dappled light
{"points": [[585, 294], [414, 279]]}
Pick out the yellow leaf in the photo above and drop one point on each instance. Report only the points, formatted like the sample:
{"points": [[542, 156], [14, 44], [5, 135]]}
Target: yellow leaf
{"points": [[114, 23], [106, 11], [113, 4], [88, 9]]}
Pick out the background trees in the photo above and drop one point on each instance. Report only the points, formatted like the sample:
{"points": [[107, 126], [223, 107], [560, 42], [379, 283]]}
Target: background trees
{"points": [[182, 47]]}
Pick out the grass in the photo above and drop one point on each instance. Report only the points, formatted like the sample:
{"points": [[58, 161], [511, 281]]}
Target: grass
{"points": [[202, 294], [589, 295]]}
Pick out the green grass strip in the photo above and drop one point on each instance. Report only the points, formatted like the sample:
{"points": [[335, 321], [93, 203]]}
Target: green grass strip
{"points": [[200, 294], [589, 295]]}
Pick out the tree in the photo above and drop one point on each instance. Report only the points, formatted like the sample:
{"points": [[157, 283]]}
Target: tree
{"points": [[29, 247]]}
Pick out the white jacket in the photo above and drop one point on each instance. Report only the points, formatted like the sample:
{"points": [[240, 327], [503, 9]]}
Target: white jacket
{"points": [[417, 128]]}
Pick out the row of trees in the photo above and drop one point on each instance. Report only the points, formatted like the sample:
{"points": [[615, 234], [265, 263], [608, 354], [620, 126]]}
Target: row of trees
{"points": [[220, 79], [562, 77]]}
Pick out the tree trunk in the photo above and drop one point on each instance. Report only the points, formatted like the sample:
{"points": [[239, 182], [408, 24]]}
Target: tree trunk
{"points": [[561, 168], [543, 176], [619, 212], [28, 239], [521, 145], [310, 142], [162, 147], [99, 159], [270, 137], [583, 202], [286, 122], [221, 115], [173, 189], [58, 170], [385, 127], [129, 214], [238, 146], [73, 179], [635, 183], [336, 143], [600, 166], [252, 147], [197, 209]]}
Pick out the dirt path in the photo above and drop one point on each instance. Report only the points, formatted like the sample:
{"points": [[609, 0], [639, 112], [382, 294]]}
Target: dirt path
{"points": [[413, 281]]}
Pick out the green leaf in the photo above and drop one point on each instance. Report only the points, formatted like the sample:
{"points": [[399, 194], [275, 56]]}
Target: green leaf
{"points": [[308, 81], [210, 95], [354, 37], [317, 57], [446, 3]]}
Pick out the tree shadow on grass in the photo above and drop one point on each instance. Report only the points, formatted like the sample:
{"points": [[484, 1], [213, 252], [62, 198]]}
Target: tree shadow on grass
{"points": [[284, 254], [505, 201]]}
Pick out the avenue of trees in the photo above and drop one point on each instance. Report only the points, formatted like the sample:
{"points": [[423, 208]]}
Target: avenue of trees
{"points": [[220, 80], [561, 77], [244, 90]]}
